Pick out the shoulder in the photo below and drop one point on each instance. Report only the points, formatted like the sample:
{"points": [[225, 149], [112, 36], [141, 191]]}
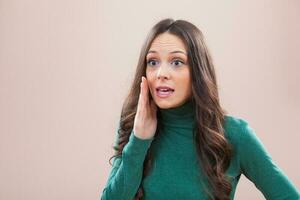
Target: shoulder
{"points": [[234, 127], [234, 122]]}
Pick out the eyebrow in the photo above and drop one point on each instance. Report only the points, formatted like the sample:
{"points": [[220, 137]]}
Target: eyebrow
{"points": [[178, 51]]}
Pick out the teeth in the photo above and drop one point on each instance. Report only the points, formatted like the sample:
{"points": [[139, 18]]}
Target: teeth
{"points": [[165, 90]]}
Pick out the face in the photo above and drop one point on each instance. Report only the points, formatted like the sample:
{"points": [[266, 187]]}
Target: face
{"points": [[168, 72]]}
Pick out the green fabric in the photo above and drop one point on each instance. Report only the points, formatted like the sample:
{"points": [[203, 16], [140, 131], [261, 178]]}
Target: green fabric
{"points": [[176, 174]]}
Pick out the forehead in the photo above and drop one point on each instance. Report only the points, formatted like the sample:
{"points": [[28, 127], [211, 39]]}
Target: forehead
{"points": [[166, 43]]}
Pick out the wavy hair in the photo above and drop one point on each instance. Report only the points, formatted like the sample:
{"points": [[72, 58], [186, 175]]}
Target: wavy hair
{"points": [[213, 150]]}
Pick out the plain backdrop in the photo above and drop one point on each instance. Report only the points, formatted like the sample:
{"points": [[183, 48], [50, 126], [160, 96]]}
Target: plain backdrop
{"points": [[66, 66]]}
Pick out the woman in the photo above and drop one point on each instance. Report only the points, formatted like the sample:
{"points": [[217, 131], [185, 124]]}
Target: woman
{"points": [[174, 140]]}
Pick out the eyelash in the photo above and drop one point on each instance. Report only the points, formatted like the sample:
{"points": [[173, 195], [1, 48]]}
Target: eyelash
{"points": [[176, 60]]}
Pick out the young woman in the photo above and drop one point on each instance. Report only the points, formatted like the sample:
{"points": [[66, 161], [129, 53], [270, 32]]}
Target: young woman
{"points": [[174, 140]]}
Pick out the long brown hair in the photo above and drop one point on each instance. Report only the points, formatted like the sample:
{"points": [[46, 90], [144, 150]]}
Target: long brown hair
{"points": [[213, 150]]}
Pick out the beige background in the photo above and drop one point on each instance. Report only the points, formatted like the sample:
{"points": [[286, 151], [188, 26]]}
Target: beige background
{"points": [[65, 67]]}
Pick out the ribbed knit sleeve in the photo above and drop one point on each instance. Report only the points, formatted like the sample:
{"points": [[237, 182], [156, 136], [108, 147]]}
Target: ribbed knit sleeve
{"points": [[126, 173], [258, 166]]}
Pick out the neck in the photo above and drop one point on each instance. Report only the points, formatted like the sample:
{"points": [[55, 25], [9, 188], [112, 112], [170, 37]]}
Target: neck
{"points": [[180, 116]]}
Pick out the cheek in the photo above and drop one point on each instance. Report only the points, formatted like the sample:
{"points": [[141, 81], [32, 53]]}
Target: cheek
{"points": [[150, 76], [185, 85], [150, 80]]}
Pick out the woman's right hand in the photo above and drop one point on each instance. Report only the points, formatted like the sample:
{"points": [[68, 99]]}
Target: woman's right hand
{"points": [[145, 121]]}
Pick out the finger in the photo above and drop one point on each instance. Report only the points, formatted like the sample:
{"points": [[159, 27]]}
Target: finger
{"points": [[145, 90], [153, 107], [141, 97]]}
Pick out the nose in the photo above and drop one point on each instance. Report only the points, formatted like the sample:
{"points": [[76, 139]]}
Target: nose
{"points": [[163, 72]]}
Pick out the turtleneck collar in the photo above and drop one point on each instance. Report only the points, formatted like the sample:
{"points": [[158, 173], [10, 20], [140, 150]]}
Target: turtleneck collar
{"points": [[180, 116]]}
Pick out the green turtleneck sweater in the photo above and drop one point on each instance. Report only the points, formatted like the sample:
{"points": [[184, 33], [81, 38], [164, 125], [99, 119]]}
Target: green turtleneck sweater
{"points": [[176, 175]]}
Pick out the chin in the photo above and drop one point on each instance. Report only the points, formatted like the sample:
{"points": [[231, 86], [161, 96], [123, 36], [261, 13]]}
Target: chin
{"points": [[164, 104]]}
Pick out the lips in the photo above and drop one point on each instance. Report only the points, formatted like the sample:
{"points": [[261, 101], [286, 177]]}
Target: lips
{"points": [[164, 89]]}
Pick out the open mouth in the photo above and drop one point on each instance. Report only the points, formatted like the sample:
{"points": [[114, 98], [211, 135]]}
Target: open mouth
{"points": [[164, 92]]}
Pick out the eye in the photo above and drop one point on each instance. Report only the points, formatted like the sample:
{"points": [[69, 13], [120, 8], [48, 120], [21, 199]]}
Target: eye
{"points": [[151, 62], [177, 62]]}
